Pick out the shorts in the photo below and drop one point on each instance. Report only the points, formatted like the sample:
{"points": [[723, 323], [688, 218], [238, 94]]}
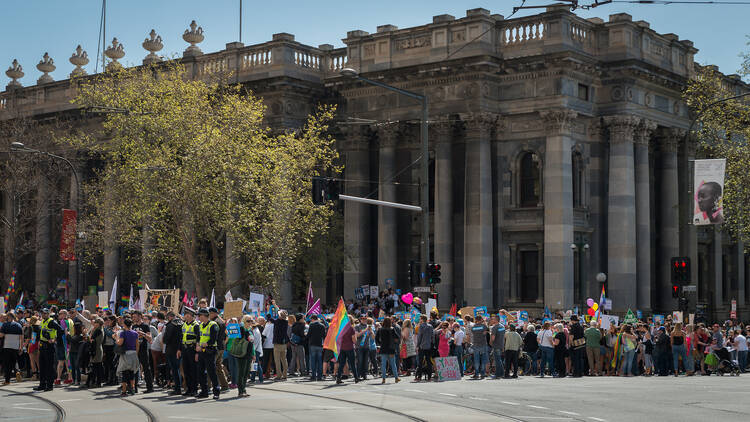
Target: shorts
{"points": [[327, 355], [59, 352]]}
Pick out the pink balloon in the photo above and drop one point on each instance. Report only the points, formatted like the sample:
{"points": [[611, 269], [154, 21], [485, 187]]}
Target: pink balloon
{"points": [[407, 298], [590, 302]]}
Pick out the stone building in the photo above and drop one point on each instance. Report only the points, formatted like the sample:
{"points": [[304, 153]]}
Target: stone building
{"points": [[557, 152]]}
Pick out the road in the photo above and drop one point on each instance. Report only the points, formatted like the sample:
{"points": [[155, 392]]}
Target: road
{"points": [[591, 399]]}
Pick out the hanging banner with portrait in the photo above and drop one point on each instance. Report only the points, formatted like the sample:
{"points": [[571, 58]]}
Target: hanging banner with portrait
{"points": [[68, 235], [709, 192]]}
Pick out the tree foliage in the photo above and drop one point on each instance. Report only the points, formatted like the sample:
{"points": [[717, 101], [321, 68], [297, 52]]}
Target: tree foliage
{"points": [[723, 130], [192, 161]]}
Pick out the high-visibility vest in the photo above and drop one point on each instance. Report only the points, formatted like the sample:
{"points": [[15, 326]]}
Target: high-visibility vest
{"points": [[48, 334], [188, 333], [206, 333]]}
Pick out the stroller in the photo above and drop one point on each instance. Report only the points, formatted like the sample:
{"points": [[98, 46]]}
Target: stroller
{"points": [[720, 361]]}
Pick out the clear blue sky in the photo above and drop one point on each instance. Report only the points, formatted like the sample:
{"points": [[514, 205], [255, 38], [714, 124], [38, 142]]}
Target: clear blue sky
{"points": [[32, 27]]}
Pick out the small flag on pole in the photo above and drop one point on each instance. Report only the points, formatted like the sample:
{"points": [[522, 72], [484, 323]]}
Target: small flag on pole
{"points": [[315, 309], [212, 304], [310, 297]]}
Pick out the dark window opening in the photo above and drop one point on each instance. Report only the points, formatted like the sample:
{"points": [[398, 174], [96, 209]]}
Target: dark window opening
{"points": [[530, 182]]}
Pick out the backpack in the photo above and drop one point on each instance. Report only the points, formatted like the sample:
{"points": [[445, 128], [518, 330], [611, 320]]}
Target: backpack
{"points": [[239, 348]]}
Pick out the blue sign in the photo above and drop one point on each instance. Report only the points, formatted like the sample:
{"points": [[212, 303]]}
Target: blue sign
{"points": [[233, 330], [480, 310], [639, 314]]}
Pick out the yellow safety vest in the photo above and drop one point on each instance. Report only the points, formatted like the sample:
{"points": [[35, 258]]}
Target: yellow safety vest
{"points": [[48, 334], [206, 333], [188, 333]]}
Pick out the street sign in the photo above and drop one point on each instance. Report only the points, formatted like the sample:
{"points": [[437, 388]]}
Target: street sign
{"points": [[734, 305], [422, 289], [690, 288]]}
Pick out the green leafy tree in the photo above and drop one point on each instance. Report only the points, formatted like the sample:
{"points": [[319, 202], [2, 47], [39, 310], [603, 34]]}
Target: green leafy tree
{"points": [[192, 162]]}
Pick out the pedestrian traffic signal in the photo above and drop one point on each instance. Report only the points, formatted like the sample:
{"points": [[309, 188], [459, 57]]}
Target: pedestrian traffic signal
{"points": [[325, 189], [675, 291], [680, 270], [433, 273]]}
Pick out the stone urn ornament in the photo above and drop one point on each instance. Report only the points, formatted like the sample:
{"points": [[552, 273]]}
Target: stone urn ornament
{"points": [[193, 36], [15, 72], [115, 52], [79, 59], [46, 65], [152, 45]]}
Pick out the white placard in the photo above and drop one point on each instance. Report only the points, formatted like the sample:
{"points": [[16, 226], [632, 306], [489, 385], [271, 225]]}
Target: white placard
{"points": [[256, 302], [709, 191], [2, 305], [103, 299], [374, 291], [609, 320], [431, 303]]}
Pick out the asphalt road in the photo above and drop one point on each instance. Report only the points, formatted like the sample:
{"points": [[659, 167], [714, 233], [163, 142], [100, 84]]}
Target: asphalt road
{"points": [[597, 399]]}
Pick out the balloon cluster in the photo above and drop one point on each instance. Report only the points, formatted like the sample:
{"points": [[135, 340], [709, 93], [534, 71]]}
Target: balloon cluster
{"points": [[410, 298], [593, 306]]}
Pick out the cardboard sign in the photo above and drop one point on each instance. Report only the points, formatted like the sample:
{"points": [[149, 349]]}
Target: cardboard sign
{"points": [[103, 299], [167, 298], [447, 369], [90, 302], [233, 309], [467, 310], [233, 330]]}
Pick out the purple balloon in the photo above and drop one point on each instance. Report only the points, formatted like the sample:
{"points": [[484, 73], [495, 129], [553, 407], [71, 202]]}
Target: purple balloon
{"points": [[590, 302]]}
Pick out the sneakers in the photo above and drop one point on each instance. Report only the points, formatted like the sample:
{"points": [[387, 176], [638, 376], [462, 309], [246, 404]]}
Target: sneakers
{"points": [[57, 381], [66, 382], [398, 380], [19, 377]]}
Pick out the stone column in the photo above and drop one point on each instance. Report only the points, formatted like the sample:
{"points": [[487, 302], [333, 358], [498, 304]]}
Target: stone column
{"points": [[232, 267], [740, 273], [442, 134], [540, 271], [669, 234], [478, 257], [558, 209], [621, 225], [43, 246], [387, 223], [718, 274], [73, 275], [513, 273], [357, 243], [642, 214]]}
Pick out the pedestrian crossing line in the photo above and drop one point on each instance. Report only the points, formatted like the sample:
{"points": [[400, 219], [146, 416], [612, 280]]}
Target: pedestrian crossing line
{"points": [[448, 394], [478, 398], [32, 408], [510, 403], [533, 406], [67, 400], [597, 419], [570, 413], [415, 391]]}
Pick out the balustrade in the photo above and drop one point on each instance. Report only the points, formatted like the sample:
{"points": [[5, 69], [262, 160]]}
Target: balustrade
{"points": [[255, 58], [516, 33]]}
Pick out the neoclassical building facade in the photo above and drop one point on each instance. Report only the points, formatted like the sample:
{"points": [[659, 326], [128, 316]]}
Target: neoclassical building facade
{"points": [[557, 151]]}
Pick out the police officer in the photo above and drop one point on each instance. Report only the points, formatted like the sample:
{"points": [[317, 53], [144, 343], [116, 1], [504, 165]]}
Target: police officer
{"points": [[190, 334], [206, 348], [47, 339]]}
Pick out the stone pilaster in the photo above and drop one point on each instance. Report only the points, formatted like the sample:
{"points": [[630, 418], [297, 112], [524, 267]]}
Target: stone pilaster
{"points": [[387, 224], [558, 209], [73, 281], [43, 247], [357, 221], [643, 213], [740, 273], [669, 210], [478, 247], [718, 274], [621, 223], [441, 137]]}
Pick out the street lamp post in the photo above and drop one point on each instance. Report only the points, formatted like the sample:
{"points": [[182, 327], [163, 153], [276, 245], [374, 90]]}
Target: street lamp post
{"points": [[20, 147], [424, 182]]}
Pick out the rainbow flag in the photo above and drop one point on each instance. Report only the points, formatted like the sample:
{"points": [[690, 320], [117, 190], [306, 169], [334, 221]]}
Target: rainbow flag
{"points": [[598, 314], [338, 325]]}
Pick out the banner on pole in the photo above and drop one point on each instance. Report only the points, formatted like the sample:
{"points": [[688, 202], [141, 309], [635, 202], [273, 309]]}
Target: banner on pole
{"points": [[68, 235], [709, 191], [166, 298]]}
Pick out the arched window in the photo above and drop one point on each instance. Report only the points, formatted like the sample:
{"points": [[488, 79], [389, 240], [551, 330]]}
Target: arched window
{"points": [[530, 185], [577, 176]]}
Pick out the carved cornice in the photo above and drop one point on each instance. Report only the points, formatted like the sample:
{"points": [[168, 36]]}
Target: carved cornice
{"points": [[643, 132], [621, 127], [558, 121]]}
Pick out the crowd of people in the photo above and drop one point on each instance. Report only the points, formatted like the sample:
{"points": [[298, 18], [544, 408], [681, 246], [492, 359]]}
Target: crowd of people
{"points": [[195, 354]]}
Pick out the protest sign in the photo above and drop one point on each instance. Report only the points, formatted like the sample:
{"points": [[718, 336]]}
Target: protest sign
{"points": [[677, 316], [447, 369], [90, 302], [630, 318], [431, 304], [103, 299], [233, 330], [2, 304], [610, 320], [162, 298], [480, 310], [659, 319], [466, 310], [373, 291], [256, 302], [503, 319], [607, 304], [233, 309]]}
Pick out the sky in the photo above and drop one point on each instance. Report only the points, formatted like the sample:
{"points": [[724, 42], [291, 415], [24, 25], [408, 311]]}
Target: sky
{"points": [[30, 28]]}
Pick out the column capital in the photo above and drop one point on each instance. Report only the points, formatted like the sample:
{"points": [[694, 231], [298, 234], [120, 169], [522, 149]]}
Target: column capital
{"points": [[441, 130], [558, 120], [621, 127], [388, 134], [354, 138], [643, 132], [672, 139], [482, 124]]}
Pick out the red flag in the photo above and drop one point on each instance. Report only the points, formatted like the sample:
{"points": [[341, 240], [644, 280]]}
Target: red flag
{"points": [[453, 310], [310, 297], [185, 299], [68, 236]]}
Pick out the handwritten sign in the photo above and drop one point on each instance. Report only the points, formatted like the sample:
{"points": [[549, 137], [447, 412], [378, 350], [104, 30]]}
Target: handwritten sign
{"points": [[233, 330], [164, 298], [233, 309], [447, 369], [480, 310]]}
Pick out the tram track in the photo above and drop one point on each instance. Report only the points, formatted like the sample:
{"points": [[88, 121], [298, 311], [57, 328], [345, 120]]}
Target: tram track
{"points": [[59, 410]]}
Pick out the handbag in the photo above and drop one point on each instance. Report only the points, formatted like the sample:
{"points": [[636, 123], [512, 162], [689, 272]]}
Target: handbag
{"points": [[239, 347], [578, 342], [402, 353]]}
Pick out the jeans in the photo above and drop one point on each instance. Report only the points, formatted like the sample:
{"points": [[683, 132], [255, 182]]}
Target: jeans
{"points": [[534, 357], [459, 352], [233, 370], [363, 360], [499, 365], [511, 361], [548, 359], [316, 362], [174, 368], [347, 356], [298, 359], [627, 362], [480, 360], [384, 360], [678, 350], [742, 359]]}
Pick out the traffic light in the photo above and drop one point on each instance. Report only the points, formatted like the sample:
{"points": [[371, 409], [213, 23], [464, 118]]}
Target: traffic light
{"points": [[675, 291], [325, 189], [433, 273], [680, 266]]}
